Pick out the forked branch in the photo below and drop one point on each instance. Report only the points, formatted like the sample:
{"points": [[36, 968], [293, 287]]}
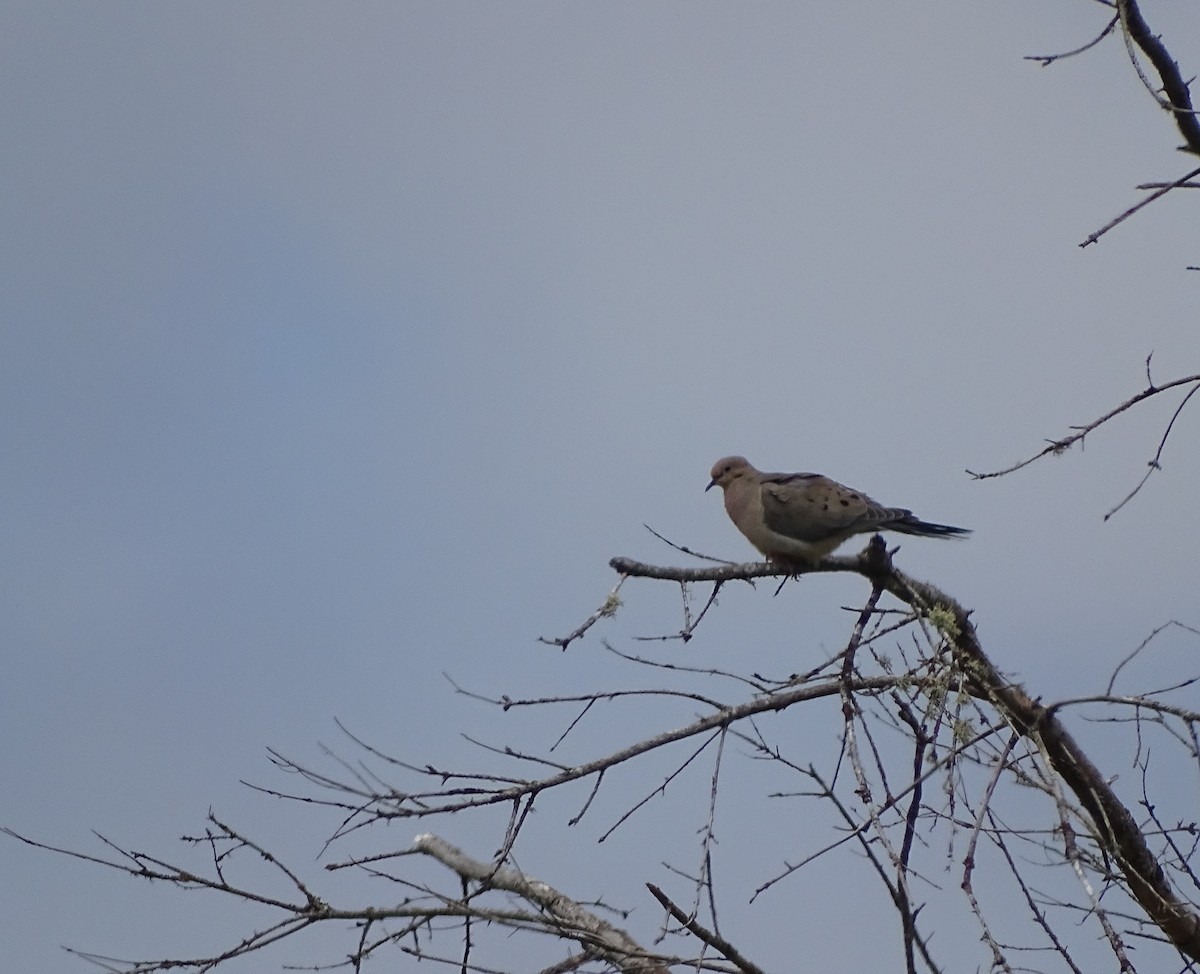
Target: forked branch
{"points": [[1078, 433], [1114, 826]]}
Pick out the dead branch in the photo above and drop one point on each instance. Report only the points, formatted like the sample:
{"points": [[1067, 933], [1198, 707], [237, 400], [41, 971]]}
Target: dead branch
{"points": [[1059, 446], [1176, 96], [1045, 60], [1172, 94], [1113, 825], [597, 937], [953, 712], [728, 950]]}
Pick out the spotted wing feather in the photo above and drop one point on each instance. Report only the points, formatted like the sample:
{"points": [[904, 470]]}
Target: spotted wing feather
{"points": [[813, 508]]}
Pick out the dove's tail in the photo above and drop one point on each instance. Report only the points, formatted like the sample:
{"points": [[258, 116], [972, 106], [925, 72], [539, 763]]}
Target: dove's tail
{"points": [[925, 529]]}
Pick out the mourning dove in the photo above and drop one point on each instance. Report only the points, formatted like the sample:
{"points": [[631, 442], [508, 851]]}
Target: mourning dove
{"points": [[802, 517]]}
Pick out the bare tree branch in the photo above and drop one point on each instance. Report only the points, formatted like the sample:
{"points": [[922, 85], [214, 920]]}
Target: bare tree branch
{"points": [[1060, 446], [1171, 94], [1120, 218], [1177, 98], [728, 950], [598, 937], [1113, 825], [1047, 59], [943, 696]]}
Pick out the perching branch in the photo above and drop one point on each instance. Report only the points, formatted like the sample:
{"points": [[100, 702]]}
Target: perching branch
{"points": [[931, 736], [1113, 826]]}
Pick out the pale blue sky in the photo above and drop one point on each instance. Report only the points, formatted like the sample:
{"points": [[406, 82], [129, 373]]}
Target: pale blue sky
{"points": [[342, 345]]}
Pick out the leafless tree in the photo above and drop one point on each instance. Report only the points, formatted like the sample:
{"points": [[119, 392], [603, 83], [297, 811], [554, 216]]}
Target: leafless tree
{"points": [[939, 753], [940, 758]]}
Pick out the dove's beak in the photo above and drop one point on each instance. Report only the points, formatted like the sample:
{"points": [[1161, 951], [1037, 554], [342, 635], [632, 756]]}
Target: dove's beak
{"points": [[711, 485]]}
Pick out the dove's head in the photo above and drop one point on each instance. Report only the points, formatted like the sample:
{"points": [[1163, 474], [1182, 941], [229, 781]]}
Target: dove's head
{"points": [[728, 469]]}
